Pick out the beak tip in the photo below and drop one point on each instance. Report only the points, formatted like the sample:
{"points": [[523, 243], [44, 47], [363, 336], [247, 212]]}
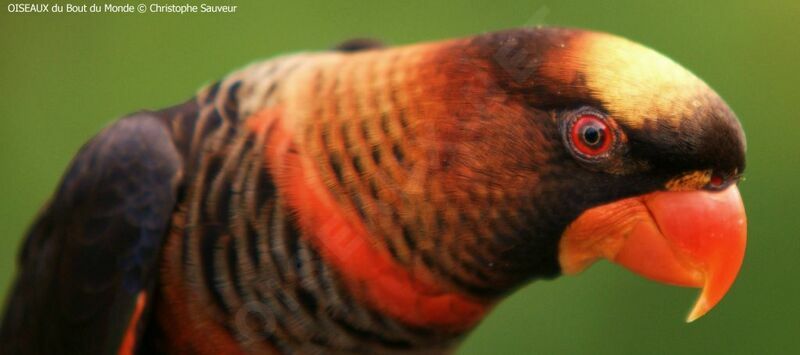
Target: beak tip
{"points": [[701, 307], [694, 315]]}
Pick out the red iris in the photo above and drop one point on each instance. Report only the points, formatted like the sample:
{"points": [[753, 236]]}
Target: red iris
{"points": [[591, 135], [716, 182]]}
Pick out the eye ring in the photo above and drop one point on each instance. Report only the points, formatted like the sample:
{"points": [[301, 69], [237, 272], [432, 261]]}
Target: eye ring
{"points": [[590, 136]]}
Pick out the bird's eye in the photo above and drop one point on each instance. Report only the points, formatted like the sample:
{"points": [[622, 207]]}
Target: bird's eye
{"points": [[719, 182], [591, 136], [716, 181]]}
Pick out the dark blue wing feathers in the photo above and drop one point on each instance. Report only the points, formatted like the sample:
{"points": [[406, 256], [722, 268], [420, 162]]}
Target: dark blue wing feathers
{"points": [[96, 245]]}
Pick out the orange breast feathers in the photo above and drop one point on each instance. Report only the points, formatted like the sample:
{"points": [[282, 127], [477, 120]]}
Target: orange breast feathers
{"points": [[372, 275]]}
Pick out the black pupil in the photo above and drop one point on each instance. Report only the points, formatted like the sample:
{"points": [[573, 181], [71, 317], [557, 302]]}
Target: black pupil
{"points": [[593, 134]]}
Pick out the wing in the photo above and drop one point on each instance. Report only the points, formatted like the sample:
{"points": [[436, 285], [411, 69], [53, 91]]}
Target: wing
{"points": [[89, 262]]}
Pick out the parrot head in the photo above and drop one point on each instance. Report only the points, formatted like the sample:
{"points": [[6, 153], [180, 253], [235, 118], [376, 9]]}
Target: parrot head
{"points": [[607, 150], [662, 123]]}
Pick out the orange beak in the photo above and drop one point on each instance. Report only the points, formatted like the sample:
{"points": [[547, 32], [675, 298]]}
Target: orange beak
{"points": [[694, 239]]}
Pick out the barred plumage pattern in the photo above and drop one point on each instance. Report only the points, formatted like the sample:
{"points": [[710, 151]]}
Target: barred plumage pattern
{"points": [[236, 261], [403, 138]]}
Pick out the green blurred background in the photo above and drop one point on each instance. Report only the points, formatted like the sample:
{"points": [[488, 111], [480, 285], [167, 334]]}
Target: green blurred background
{"points": [[64, 76]]}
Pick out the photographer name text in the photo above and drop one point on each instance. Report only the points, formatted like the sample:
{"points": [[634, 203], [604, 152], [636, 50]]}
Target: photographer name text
{"points": [[155, 8]]}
